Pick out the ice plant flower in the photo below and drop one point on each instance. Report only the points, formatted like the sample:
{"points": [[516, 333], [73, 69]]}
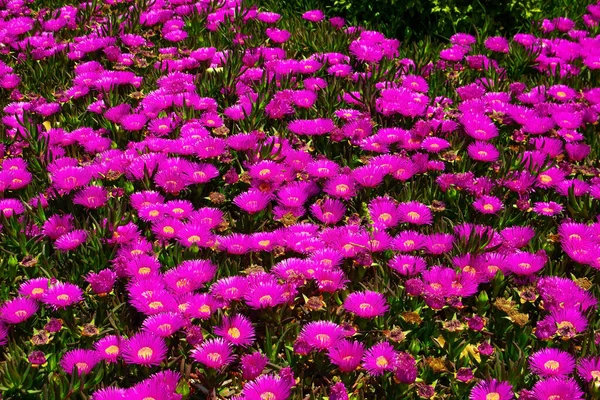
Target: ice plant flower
{"points": [[321, 334], [144, 348], [79, 360], [214, 353], [62, 295], [557, 388], [267, 387], [346, 355], [492, 390], [237, 330], [414, 213], [379, 359], [18, 310], [366, 304], [550, 362], [589, 369]]}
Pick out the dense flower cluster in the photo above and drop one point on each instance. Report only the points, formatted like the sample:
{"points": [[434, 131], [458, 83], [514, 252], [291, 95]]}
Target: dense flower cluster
{"points": [[204, 199]]}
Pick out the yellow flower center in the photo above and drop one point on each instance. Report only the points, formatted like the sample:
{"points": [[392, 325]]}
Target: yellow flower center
{"points": [[194, 239], [469, 270], [552, 365], [205, 309], [492, 396], [37, 291], [21, 313], [165, 327], [155, 305], [265, 299], [382, 362], [414, 215], [342, 188], [63, 297], [145, 353], [214, 357], [488, 207], [81, 366], [545, 179], [182, 283], [385, 217], [112, 350], [323, 338], [268, 396], [234, 333]]}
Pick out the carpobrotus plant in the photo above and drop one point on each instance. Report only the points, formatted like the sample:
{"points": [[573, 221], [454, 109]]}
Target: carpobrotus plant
{"points": [[207, 200]]}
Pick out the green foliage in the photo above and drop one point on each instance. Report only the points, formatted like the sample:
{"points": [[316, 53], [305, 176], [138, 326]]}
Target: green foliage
{"points": [[414, 19]]}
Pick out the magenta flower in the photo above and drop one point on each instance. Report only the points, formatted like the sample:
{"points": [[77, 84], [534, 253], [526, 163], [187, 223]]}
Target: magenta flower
{"points": [[164, 324], [237, 330], [366, 304], [341, 186], [314, 15], [550, 362], [589, 369], [415, 213], [102, 282], [321, 334], [70, 241], [483, 151], [278, 35], [34, 288], [492, 389], [379, 359], [328, 211], [346, 355], [479, 126], [109, 348], [62, 295], [557, 388], [253, 365], [91, 197], [569, 322], [18, 310], [144, 348], [267, 387], [523, 263], [488, 204], [548, 209], [82, 361], [214, 353], [252, 201], [311, 127], [110, 393]]}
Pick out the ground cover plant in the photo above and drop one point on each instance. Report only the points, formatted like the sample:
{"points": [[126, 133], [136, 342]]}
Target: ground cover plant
{"points": [[205, 200]]}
